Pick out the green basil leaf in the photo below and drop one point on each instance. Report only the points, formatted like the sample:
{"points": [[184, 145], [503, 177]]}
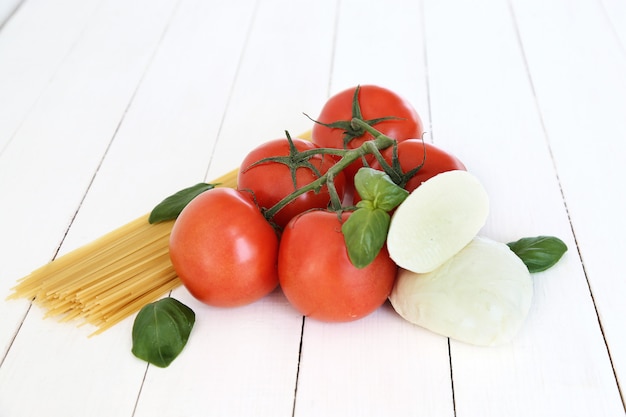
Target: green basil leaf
{"points": [[170, 208], [161, 330], [539, 253], [365, 232], [378, 188]]}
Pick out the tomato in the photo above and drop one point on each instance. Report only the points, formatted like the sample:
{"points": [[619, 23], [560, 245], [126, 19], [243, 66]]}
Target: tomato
{"points": [[374, 102], [223, 249], [411, 155], [317, 276], [271, 181]]}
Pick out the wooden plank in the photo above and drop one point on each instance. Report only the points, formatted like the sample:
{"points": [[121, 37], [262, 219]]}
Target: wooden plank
{"points": [[614, 12], [379, 365], [77, 115], [47, 169], [244, 361], [483, 105], [7, 9], [371, 49], [30, 58], [579, 73], [271, 95], [165, 141]]}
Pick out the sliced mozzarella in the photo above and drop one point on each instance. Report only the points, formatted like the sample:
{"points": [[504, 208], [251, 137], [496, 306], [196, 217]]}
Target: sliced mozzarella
{"points": [[437, 220], [480, 296]]}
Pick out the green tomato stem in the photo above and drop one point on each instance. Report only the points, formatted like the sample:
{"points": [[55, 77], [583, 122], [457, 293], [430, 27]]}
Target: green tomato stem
{"points": [[302, 155], [379, 142], [335, 201], [358, 123], [394, 173]]}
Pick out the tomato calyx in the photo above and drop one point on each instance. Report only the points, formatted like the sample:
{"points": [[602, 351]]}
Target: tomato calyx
{"points": [[350, 129], [365, 231], [394, 170], [379, 142], [295, 160]]}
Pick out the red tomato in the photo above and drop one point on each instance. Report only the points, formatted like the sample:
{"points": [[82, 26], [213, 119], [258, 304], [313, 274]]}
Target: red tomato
{"points": [[375, 102], [223, 249], [411, 155], [317, 276], [271, 181]]}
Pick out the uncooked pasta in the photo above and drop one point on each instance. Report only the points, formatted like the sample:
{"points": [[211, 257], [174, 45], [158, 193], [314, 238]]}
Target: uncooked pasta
{"points": [[110, 278]]}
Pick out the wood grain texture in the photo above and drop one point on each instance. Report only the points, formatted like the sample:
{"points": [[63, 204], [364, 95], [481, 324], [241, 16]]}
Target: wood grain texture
{"points": [[48, 168], [503, 142], [109, 106], [579, 74], [379, 365]]}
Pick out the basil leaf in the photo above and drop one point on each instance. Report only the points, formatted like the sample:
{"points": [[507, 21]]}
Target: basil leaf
{"points": [[539, 253], [365, 232], [171, 207], [378, 190], [161, 330]]}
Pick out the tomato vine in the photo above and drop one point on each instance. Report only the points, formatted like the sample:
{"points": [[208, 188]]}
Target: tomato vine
{"points": [[379, 142]]}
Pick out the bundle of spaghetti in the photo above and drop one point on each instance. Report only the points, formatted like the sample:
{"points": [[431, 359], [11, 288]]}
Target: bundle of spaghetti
{"points": [[110, 278]]}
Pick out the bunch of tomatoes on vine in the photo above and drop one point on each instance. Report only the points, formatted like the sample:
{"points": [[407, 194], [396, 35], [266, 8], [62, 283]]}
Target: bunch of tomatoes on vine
{"points": [[310, 216]]}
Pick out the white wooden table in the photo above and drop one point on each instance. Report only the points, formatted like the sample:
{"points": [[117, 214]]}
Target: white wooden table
{"points": [[107, 106]]}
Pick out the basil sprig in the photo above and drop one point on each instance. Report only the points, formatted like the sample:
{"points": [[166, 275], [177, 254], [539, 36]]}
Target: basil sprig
{"points": [[161, 330], [365, 231], [539, 253], [170, 208]]}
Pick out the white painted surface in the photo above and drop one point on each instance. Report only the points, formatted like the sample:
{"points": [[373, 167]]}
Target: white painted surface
{"points": [[108, 106]]}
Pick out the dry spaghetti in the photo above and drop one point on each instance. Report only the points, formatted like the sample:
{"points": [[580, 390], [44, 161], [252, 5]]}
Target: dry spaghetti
{"points": [[110, 278]]}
